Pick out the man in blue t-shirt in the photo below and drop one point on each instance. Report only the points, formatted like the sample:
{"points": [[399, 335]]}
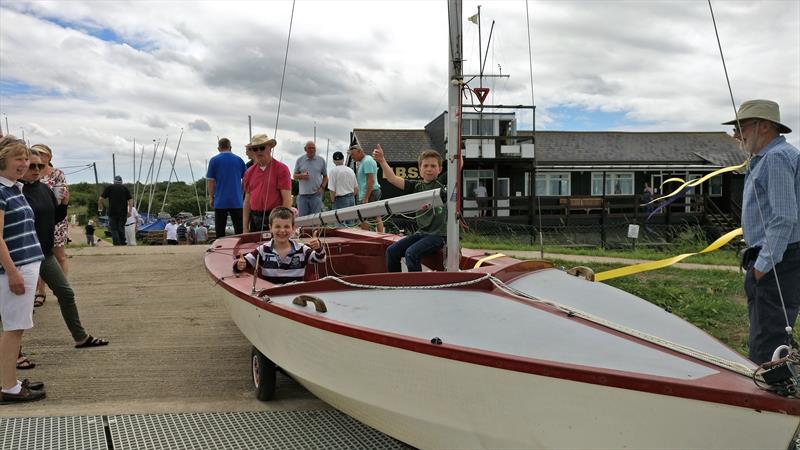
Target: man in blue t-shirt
{"points": [[224, 182]]}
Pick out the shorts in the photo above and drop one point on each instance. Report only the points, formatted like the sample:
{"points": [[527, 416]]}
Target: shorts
{"points": [[17, 310], [374, 196]]}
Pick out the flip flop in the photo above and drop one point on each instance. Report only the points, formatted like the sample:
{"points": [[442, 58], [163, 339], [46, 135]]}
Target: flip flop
{"points": [[36, 302], [92, 342], [23, 363]]}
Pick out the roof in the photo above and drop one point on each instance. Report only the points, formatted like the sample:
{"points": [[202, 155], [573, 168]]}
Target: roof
{"points": [[716, 149], [562, 147], [397, 145]]}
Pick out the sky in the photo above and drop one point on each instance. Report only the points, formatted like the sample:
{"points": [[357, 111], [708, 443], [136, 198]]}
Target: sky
{"points": [[89, 77]]}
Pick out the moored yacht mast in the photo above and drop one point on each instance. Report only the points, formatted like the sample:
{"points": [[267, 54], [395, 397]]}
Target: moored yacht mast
{"points": [[456, 80]]}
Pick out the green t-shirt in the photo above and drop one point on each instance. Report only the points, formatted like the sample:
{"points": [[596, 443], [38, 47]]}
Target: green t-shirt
{"points": [[430, 222]]}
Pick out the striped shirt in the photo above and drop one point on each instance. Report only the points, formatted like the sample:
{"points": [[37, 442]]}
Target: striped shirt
{"points": [[279, 270], [19, 233], [773, 174]]}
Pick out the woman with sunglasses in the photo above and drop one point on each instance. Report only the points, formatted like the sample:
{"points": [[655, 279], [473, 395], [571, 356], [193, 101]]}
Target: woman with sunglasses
{"points": [[47, 211], [55, 179]]}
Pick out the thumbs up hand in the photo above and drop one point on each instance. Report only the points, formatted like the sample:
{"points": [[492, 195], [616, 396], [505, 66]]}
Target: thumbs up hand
{"points": [[314, 243], [377, 154]]}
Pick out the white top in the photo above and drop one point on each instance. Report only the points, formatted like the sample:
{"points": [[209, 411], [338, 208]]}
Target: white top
{"points": [[172, 231], [480, 191], [134, 218], [342, 180]]}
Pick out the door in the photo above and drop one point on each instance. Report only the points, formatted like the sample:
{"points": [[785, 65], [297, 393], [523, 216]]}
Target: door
{"points": [[503, 190]]}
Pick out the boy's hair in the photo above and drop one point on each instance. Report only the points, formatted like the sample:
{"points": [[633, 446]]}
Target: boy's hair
{"points": [[281, 212], [430, 154], [11, 147]]}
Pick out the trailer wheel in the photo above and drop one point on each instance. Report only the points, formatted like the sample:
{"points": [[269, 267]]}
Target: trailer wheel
{"points": [[264, 371]]}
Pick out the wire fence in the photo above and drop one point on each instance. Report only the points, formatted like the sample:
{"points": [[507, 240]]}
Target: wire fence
{"points": [[489, 232]]}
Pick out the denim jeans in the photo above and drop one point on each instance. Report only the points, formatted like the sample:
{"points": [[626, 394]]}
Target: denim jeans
{"points": [[116, 225], [767, 321], [413, 247], [309, 204], [343, 201]]}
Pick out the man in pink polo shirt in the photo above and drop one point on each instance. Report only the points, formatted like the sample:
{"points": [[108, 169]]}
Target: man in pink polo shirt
{"points": [[267, 185]]}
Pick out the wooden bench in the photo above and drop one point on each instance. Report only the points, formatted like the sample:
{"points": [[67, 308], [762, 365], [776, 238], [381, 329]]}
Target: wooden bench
{"points": [[585, 204]]}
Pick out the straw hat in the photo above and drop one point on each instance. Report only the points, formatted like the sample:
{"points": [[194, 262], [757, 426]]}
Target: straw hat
{"points": [[761, 109], [262, 139]]}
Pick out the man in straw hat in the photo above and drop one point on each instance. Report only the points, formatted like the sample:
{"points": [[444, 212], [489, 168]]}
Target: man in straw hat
{"points": [[771, 225], [267, 185]]}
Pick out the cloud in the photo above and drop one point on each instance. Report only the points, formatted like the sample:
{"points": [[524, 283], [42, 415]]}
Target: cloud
{"points": [[156, 122], [199, 125], [94, 76]]}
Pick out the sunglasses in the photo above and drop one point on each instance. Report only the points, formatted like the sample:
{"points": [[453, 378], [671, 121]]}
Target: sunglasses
{"points": [[744, 126], [36, 166], [259, 149]]}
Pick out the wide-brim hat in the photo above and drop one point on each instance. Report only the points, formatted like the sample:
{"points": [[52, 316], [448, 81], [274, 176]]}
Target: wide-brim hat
{"points": [[760, 109], [261, 139]]}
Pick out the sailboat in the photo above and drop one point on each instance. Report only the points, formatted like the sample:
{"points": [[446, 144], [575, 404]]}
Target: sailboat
{"points": [[488, 351]]}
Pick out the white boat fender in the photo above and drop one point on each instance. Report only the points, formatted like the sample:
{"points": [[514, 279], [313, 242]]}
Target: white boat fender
{"points": [[781, 375], [302, 300], [776, 355]]}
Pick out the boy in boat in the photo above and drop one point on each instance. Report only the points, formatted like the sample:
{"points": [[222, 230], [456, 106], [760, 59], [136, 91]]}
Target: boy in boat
{"points": [[432, 233], [281, 259]]}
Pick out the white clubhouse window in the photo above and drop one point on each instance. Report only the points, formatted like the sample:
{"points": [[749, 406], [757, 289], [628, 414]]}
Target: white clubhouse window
{"points": [[617, 183], [715, 186], [553, 184]]}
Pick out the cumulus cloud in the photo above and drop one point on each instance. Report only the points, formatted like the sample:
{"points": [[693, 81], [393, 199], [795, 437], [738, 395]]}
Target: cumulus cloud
{"points": [[199, 125], [156, 122]]}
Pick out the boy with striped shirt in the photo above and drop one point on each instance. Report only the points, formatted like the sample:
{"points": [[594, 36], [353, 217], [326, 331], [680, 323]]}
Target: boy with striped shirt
{"points": [[281, 259]]}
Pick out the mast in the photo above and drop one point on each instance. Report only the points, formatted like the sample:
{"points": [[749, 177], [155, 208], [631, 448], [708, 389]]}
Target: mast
{"points": [[453, 132]]}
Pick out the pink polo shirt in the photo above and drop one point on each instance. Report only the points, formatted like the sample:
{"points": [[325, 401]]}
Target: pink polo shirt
{"points": [[265, 186]]}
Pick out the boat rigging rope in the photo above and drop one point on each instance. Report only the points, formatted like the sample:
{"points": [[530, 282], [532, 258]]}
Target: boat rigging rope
{"points": [[572, 312], [533, 120], [274, 136], [788, 328]]}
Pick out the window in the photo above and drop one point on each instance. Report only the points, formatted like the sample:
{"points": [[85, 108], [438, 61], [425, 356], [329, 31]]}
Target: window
{"points": [[715, 186], [617, 183], [553, 184], [469, 127]]}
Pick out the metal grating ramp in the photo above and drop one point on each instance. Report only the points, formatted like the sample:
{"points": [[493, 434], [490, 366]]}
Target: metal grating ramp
{"points": [[53, 433], [319, 429]]}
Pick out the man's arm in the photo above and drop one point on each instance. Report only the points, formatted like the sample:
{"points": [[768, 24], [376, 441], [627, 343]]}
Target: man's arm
{"points": [[388, 173], [324, 184], [246, 213], [297, 173], [130, 205], [211, 184], [368, 190], [783, 201], [99, 204], [286, 195]]}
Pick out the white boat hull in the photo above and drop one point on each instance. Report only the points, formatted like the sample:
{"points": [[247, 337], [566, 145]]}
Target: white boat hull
{"points": [[433, 402]]}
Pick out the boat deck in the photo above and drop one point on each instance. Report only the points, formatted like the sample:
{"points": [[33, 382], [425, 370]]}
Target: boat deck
{"points": [[176, 374]]}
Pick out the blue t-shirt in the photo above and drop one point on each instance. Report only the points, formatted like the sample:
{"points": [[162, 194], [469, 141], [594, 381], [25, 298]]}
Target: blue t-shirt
{"points": [[365, 167], [227, 170]]}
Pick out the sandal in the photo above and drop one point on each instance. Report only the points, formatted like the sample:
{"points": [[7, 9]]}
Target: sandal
{"points": [[36, 302], [92, 342], [23, 363]]}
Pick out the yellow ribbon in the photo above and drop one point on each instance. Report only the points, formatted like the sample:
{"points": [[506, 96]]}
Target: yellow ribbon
{"points": [[697, 182], [653, 265], [488, 258]]}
